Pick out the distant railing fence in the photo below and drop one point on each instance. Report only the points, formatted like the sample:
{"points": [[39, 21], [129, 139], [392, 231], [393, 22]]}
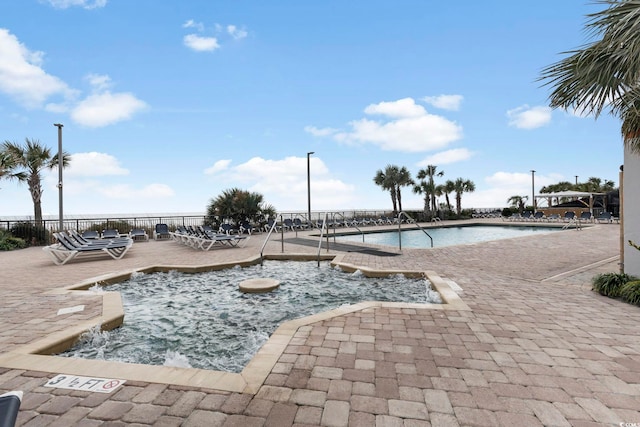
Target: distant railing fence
{"points": [[41, 233]]}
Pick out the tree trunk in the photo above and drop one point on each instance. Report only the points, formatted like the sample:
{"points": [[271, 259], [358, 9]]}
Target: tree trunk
{"points": [[393, 201], [399, 195]]}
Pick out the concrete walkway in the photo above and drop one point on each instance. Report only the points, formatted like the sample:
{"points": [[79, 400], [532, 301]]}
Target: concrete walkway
{"points": [[537, 346]]}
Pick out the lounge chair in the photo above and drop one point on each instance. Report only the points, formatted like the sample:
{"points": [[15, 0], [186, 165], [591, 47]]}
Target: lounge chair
{"points": [[110, 233], [161, 232], [67, 248], [270, 224], [586, 216], [139, 234], [288, 224], [538, 216], [91, 234], [605, 217], [553, 218], [9, 407], [297, 223], [246, 227]]}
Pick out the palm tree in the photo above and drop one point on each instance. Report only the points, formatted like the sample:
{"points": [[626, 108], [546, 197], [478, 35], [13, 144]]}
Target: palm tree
{"points": [[8, 167], [449, 187], [518, 202], [428, 187], [462, 186], [387, 179], [605, 73], [403, 179], [28, 163], [238, 205]]}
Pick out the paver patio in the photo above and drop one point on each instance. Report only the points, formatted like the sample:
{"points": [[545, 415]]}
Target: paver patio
{"points": [[537, 346]]}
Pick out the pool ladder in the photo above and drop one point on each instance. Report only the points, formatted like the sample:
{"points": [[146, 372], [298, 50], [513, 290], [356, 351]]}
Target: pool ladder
{"points": [[413, 221]]}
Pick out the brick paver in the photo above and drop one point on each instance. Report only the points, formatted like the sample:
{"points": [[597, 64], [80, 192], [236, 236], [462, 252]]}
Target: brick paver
{"points": [[538, 347]]}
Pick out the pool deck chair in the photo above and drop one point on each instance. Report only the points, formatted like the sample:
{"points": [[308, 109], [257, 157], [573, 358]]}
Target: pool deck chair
{"points": [[67, 249], [138, 234], [161, 232], [9, 407], [110, 233]]}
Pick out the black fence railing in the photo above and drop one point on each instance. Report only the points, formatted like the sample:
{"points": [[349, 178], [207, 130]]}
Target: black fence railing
{"points": [[41, 233]]}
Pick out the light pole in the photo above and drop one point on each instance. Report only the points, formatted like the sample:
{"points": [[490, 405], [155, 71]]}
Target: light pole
{"points": [[309, 186], [533, 193], [60, 219]]}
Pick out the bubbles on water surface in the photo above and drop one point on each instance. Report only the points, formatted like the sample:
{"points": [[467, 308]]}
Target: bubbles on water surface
{"points": [[204, 320]]}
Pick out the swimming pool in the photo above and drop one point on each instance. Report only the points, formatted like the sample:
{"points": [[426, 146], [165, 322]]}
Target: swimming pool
{"points": [[203, 321], [447, 236]]}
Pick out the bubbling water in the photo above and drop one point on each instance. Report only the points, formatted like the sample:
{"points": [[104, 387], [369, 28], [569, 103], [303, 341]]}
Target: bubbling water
{"points": [[203, 321]]}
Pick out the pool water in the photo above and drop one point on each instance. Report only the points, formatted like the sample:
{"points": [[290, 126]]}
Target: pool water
{"points": [[203, 321], [447, 236]]}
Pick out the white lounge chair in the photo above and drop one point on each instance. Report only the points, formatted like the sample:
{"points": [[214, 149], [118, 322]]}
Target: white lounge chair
{"points": [[67, 249]]}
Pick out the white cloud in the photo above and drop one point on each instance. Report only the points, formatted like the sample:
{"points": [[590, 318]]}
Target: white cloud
{"points": [[503, 185], [201, 44], [102, 109], [320, 131], [446, 102], [409, 128], [99, 82], [219, 166], [525, 117], [193, 24], [94, 164], [236, 33], [87, 4], [447, 157], [283, 183], [125, 191], [401, 108], [21, 75]]}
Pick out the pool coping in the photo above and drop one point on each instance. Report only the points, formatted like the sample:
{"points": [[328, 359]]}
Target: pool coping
{"points": [[39, 355]]}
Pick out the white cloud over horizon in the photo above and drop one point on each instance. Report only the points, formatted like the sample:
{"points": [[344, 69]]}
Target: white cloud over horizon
{"points": [[94, 164], [283, 182], [406, 127], [526, 117]]}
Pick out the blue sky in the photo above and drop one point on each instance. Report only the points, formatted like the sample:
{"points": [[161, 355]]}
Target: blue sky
{"points": [[166, 104]]}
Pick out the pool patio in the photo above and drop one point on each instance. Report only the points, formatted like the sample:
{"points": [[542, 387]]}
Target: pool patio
{"points": [[531, 345]]}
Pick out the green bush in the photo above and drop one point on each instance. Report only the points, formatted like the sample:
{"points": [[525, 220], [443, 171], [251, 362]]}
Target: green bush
{"points": [[9, 242], [630, 292], [32, 234], [610, 284]]}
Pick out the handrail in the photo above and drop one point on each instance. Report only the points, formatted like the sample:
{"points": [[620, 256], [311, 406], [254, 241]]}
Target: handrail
{"points": [[416, 224], [273, 226], [344, 218], [324, 225]]}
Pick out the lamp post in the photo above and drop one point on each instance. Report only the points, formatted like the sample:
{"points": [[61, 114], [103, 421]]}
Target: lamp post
{"points": [[60, 219], [533, 193], [309, 186]]}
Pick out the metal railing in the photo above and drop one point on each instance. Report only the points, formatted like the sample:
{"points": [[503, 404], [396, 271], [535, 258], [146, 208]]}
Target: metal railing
{"points": [[400, 215]]}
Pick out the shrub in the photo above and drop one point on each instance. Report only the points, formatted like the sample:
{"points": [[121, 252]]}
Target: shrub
{"points": [[630, 292], [9, 242], [609, 284], [31, 234]]}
